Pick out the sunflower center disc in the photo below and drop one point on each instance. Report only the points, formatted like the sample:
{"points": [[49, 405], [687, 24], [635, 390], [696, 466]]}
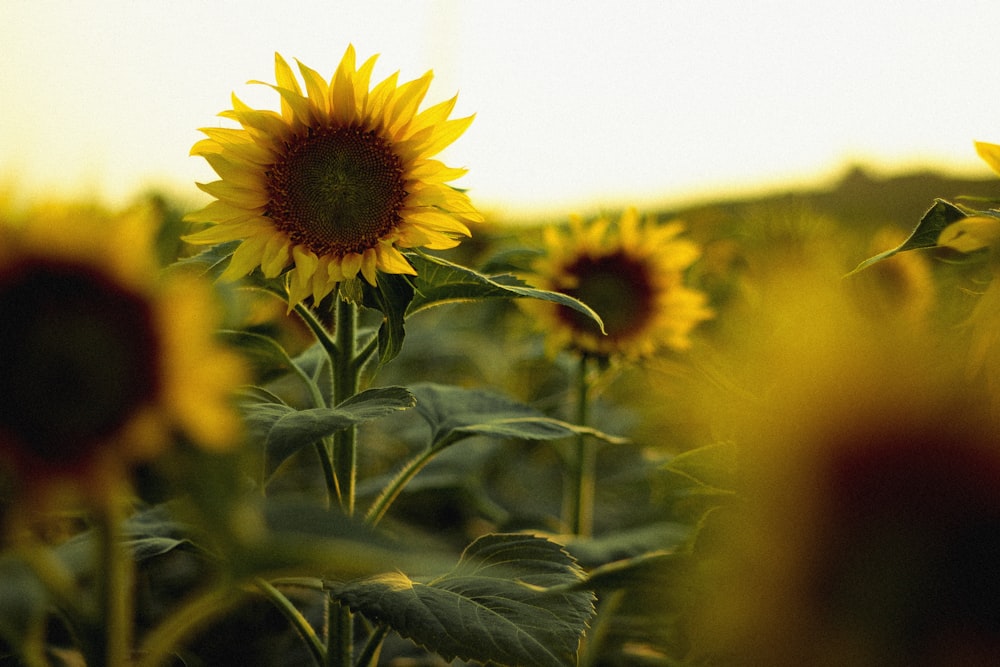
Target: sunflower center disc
{"points": [[617, 288], [80, 356], [337, 191]]}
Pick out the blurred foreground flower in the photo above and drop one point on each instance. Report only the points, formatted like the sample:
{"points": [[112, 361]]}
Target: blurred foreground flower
{"points": [[632, 275], [336, 182], [867, 530], [102, 363]]}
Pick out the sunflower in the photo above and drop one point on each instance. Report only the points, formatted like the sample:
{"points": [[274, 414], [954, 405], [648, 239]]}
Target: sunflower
{"points": [[632, 275], [869, 499], [103, 364], [337, 182]]}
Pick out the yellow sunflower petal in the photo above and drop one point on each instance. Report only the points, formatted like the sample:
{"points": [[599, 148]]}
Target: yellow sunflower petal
{"points": [[239, 142], [434, 171], [437, 220], [391, 260], [275, 256], [215, 211], [445, 134], [990, 153], [350, 264], [403, 102], [245, 259], [369, 261], [971, 234], [376, 100], [233, 230], [316, 87], [247, 198], [280, 160], [343, 105], [285, 78], [231, 171]]}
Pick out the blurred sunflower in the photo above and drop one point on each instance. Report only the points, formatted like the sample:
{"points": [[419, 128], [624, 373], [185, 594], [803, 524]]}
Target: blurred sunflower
{"points": [[631, 274], [336, 183], [102, 364], [868, 526]]}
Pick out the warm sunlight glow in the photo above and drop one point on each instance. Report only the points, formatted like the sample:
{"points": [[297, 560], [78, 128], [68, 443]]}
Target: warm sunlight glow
{"points": [[578, 107]]}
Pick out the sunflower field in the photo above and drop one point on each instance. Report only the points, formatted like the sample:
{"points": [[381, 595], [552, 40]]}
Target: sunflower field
{"points": [[339, 416]]}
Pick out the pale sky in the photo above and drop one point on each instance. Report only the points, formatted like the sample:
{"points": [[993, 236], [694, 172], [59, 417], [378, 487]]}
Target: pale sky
{"points": [[580, 105]]}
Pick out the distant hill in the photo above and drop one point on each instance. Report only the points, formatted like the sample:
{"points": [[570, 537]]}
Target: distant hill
{"points": [[868, 200]]}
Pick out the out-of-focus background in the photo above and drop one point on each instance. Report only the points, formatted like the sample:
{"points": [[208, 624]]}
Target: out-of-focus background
{"points": [[580, 106]]}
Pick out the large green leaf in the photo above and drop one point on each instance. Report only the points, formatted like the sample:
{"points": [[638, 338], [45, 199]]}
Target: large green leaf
{"points": [[494, 607], [455, 413], [924, 235], [439, 281], [285, 430]]}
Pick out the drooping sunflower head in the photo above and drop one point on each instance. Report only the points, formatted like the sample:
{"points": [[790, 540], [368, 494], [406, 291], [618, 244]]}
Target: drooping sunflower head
{"points": [[101, 363], [632, 275], [337, 182]]}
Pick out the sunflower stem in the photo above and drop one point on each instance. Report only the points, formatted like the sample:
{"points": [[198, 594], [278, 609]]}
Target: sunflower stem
{"points": [[295, 617], [346, 374], [345, 385], [578, 501], [115, 584], [325, 446]]}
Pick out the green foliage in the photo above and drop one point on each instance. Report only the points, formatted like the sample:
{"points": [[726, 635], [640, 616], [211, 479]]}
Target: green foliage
{"points": [[454, 413], [508, 601], [925, 234], [438, 282], [286, 430]]}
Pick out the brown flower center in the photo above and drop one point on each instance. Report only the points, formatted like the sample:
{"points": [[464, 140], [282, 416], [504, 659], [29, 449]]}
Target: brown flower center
{"points": [[80, 355], [914, 541], [618, 288], [337, 190]]}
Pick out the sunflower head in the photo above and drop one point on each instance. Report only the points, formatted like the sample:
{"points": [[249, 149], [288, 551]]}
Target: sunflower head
{"points": [[632, 275], [865, 531], [335, 183], [101, 364]]}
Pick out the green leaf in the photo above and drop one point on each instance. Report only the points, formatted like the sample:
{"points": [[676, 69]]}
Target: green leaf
{"points": [[454, 413], [392, 296], [711, 466], [439, 281], [211, 261], [265, 354], [494, 607], [290, 430], [924, 235]]}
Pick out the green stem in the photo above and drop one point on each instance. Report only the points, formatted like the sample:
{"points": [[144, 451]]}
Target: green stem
{"points": [[114, 586], [392, 491], [340, 646], [162, 643], [295, 617], [578, 501], [319, 330], [346, 378], [369, 656], [345, 385], [334, 492]]}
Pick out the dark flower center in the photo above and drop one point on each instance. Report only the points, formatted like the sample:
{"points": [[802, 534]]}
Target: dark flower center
{"points": [[337, 190], [618, 288], [914, 542], [80, 355]]}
